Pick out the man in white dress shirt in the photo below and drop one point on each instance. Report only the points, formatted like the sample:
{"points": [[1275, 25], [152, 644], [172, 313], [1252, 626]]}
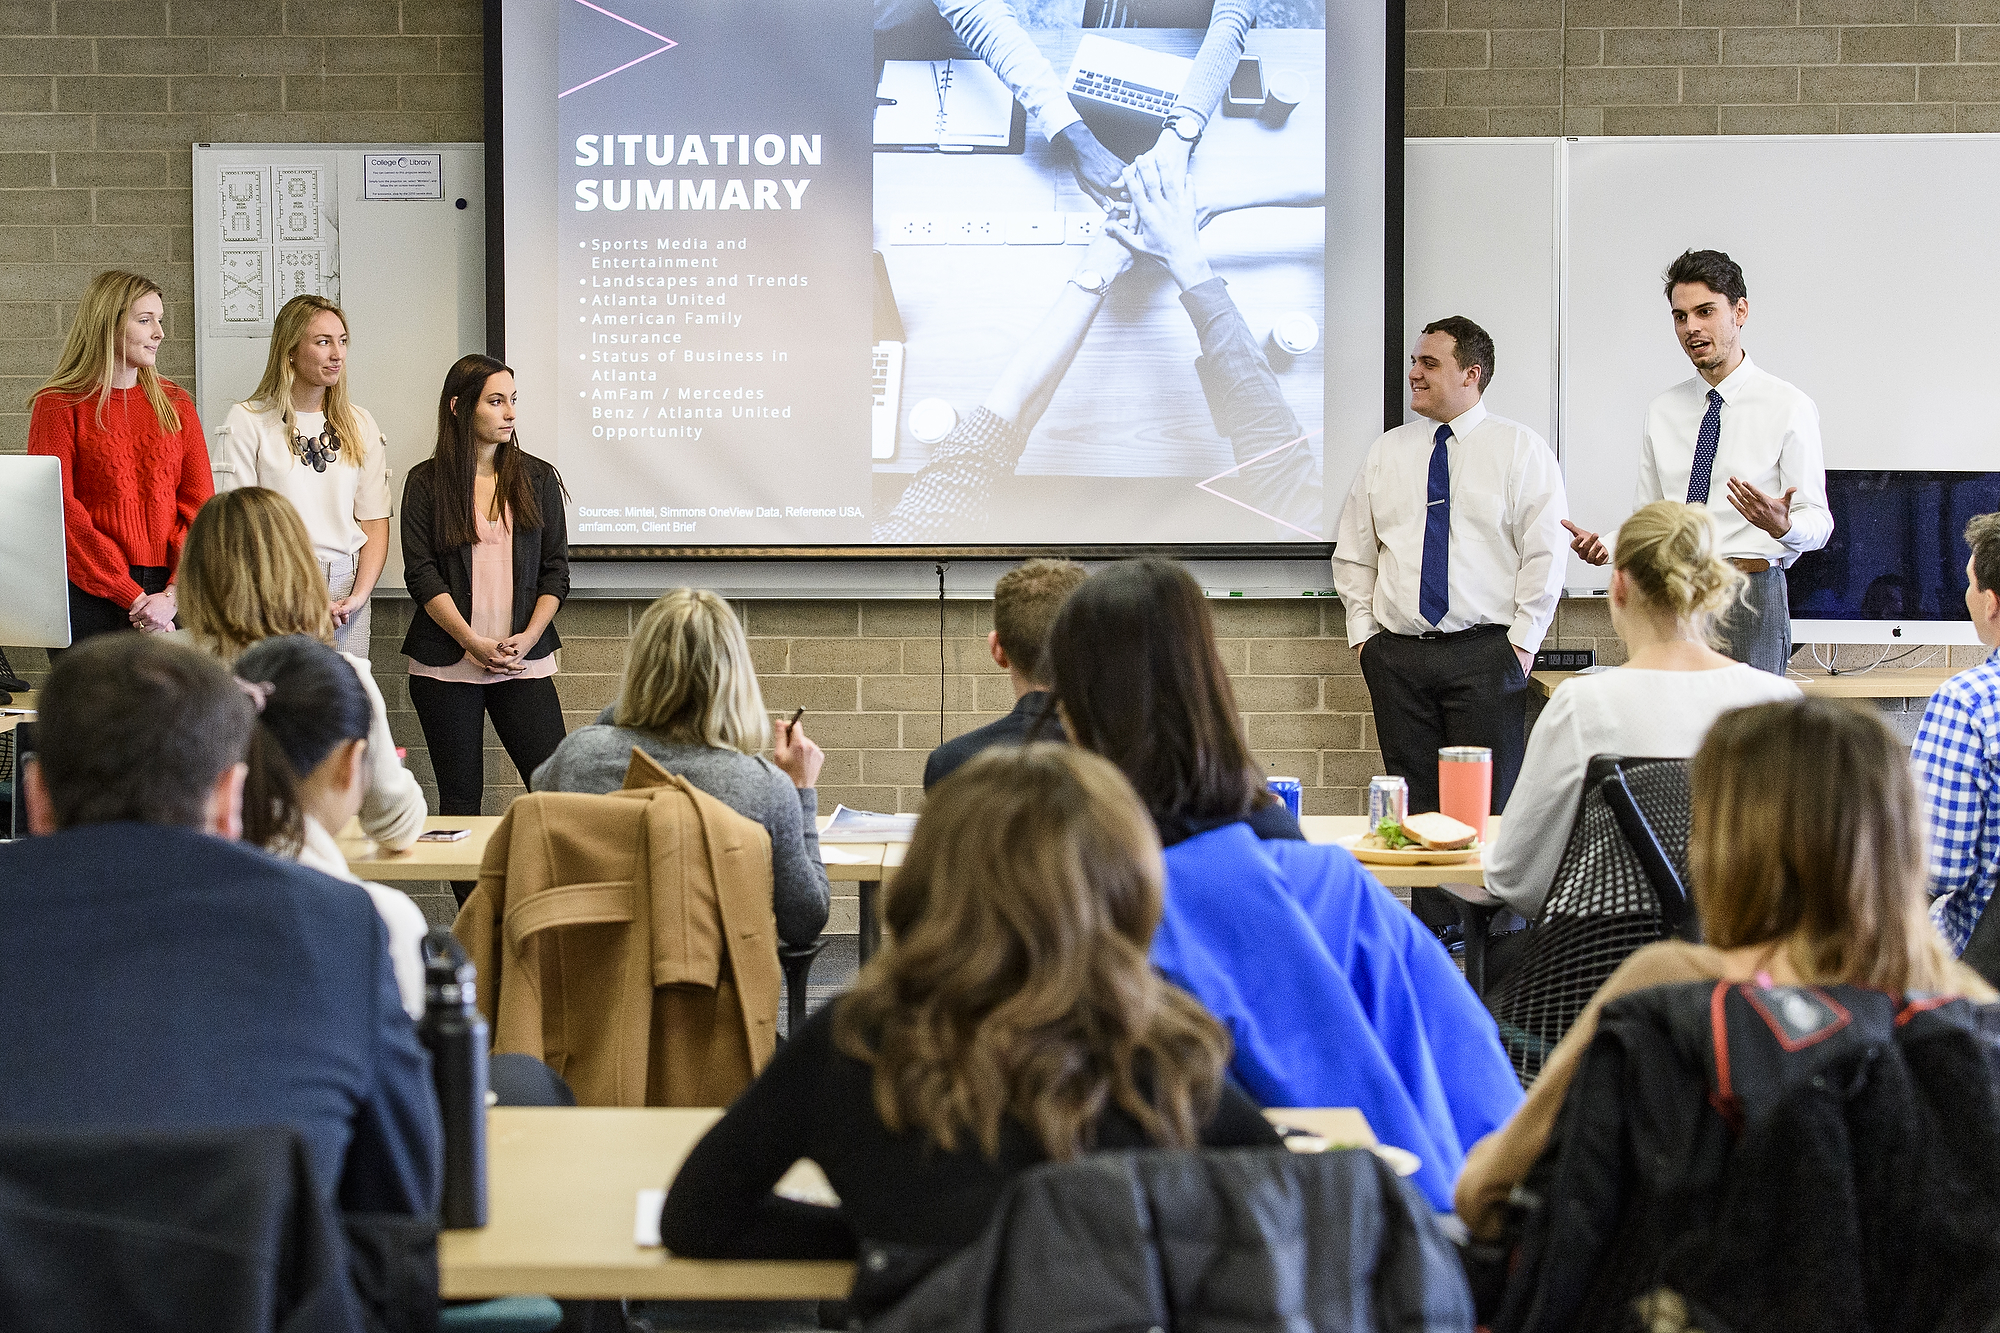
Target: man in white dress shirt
{"points": [[1449, 562], [1736, 424]]}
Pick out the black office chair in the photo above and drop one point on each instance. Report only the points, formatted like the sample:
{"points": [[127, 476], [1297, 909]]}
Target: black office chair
{"points": [[797, 961], [224, 1228], [1982, 951], [1621, 884]]}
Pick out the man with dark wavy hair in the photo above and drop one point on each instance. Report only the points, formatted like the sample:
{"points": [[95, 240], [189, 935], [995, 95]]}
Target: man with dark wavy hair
{"points": [[1740, 442]]}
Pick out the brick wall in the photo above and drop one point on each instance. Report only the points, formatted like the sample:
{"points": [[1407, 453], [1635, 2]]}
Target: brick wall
{"points": [[1480, 67], [101, 101]]}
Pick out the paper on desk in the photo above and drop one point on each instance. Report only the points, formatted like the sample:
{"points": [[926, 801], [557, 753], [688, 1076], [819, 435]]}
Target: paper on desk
{"points": [[804, 1183], [866, 826], [646, 1219]]}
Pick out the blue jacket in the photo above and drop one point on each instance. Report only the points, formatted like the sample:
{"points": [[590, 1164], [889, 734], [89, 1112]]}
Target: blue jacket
{"points": [[155, 977], [1334, 995]]}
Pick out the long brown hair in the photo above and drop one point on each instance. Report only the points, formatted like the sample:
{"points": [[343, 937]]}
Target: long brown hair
{"points": [[1131, 660], [1806, 832], [456, 458], [91, 350], [1016, 981], [248, 573], [275, 389]]}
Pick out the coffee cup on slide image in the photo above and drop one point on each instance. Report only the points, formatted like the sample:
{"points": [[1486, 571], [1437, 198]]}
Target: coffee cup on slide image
{"points": [[1283, 91], [1293, 334], [932, 420]]}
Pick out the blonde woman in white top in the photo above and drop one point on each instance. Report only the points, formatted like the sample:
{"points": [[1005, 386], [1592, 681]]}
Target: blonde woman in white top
{"points": [[300, 435], [1668, 588]]}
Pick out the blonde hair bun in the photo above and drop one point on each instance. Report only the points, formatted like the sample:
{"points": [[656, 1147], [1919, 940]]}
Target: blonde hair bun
{"points": [[1668, 550]]}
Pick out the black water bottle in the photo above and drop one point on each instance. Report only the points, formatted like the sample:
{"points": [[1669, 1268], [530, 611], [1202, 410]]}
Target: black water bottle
{"points": [[456, 1037]]}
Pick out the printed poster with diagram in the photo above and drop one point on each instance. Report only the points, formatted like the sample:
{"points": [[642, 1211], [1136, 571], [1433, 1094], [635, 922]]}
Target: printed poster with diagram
{"points": [[277, 238]]}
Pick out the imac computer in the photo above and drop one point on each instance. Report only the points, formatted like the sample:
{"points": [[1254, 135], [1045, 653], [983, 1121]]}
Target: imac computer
{"points": [[1894, 571], [34, 595]]}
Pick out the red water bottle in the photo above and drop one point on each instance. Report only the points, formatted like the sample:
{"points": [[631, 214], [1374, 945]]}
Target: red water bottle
{"points": [[1465, 784]]}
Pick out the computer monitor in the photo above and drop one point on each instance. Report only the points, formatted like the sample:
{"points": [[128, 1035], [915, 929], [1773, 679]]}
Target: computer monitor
{"points": [[34, 569], [1894, 570]]}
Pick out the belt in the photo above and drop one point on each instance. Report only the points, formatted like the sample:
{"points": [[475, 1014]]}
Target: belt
{"points": [[1435, 634], [1750, 566]]}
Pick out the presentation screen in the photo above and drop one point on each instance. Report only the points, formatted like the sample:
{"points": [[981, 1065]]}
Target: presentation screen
{"points": [[893, 275]]}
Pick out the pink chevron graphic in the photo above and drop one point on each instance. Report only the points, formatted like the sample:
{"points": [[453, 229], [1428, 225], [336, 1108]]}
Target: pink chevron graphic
{"points": [[670, 44], [1204, 486]]}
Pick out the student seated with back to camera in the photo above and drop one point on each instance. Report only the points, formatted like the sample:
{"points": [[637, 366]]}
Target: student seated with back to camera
{"points": [[1957, 760], [309, 776], [1011, 1018], [1807, 856], [247, 574], [156, 973], [1668, 587], [1025, 601], [1333, 993], [690, 701]]}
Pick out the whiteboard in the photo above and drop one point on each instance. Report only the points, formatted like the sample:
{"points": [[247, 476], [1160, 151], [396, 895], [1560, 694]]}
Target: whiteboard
{"points": [[1871, 289], [411, 275], [1481, 238]]}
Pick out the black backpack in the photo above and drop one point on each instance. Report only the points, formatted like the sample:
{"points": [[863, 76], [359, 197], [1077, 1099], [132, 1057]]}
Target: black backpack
{"points": [[1736, 1157]]}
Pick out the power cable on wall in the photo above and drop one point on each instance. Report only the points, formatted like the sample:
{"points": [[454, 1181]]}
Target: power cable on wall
{"points": [[941, 567]]}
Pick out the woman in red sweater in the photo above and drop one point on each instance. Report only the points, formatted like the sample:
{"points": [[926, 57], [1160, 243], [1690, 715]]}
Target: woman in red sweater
{"points": [[134, 467]]}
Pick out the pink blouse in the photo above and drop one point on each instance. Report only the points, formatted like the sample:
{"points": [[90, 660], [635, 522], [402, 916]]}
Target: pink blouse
{"points": [[492, 608]]}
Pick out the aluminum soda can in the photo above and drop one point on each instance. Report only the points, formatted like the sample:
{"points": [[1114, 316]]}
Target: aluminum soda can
{"points": [[1288, 790], [1388, 798]]}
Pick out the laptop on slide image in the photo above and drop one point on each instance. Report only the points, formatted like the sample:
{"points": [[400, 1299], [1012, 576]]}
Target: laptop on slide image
{"points": [[1124, 92], [888, 370]]}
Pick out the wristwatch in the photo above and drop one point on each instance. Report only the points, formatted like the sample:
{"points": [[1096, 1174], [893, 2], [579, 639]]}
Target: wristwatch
{"points": [[1184, 127], [1091, 281]]}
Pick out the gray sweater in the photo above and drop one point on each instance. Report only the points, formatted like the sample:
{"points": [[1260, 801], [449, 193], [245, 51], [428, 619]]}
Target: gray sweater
{"points": [[594, 759]]}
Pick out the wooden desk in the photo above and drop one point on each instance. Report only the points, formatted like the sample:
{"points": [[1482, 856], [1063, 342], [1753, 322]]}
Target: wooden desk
{"points": [[562, 1186], [424, 860], [1344, 1126], [967, 308], [1466, 880], [562, 1190], [1881, 683]]}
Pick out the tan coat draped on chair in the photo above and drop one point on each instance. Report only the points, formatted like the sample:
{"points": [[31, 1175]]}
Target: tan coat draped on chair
{"points": [[627, 940]]}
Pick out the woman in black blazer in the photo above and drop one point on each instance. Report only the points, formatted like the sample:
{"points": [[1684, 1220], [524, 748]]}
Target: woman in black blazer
{"points": [[486, 560]]}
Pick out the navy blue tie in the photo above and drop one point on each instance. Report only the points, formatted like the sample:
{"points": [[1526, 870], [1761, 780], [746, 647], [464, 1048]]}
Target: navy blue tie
{"points": [[1434, 600], [1705, 445]]}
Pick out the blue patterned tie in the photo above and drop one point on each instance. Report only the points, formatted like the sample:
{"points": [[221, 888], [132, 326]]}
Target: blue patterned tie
{"points": [[1434, 600], [1705, 445]]}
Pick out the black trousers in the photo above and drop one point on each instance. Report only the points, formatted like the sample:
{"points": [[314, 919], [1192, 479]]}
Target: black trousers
{"points": [[90, 616], [526, 716], [1462, 689]]}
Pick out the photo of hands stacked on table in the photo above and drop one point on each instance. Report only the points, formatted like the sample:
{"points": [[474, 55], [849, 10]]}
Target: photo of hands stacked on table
{"points": [[1042, 356]]}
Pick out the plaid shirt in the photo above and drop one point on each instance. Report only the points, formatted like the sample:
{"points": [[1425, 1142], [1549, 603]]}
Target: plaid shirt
{"points": [[1957, 762]]}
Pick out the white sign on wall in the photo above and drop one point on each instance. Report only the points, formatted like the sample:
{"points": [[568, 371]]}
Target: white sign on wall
{"points": [[276, 238], [402, 176]]}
